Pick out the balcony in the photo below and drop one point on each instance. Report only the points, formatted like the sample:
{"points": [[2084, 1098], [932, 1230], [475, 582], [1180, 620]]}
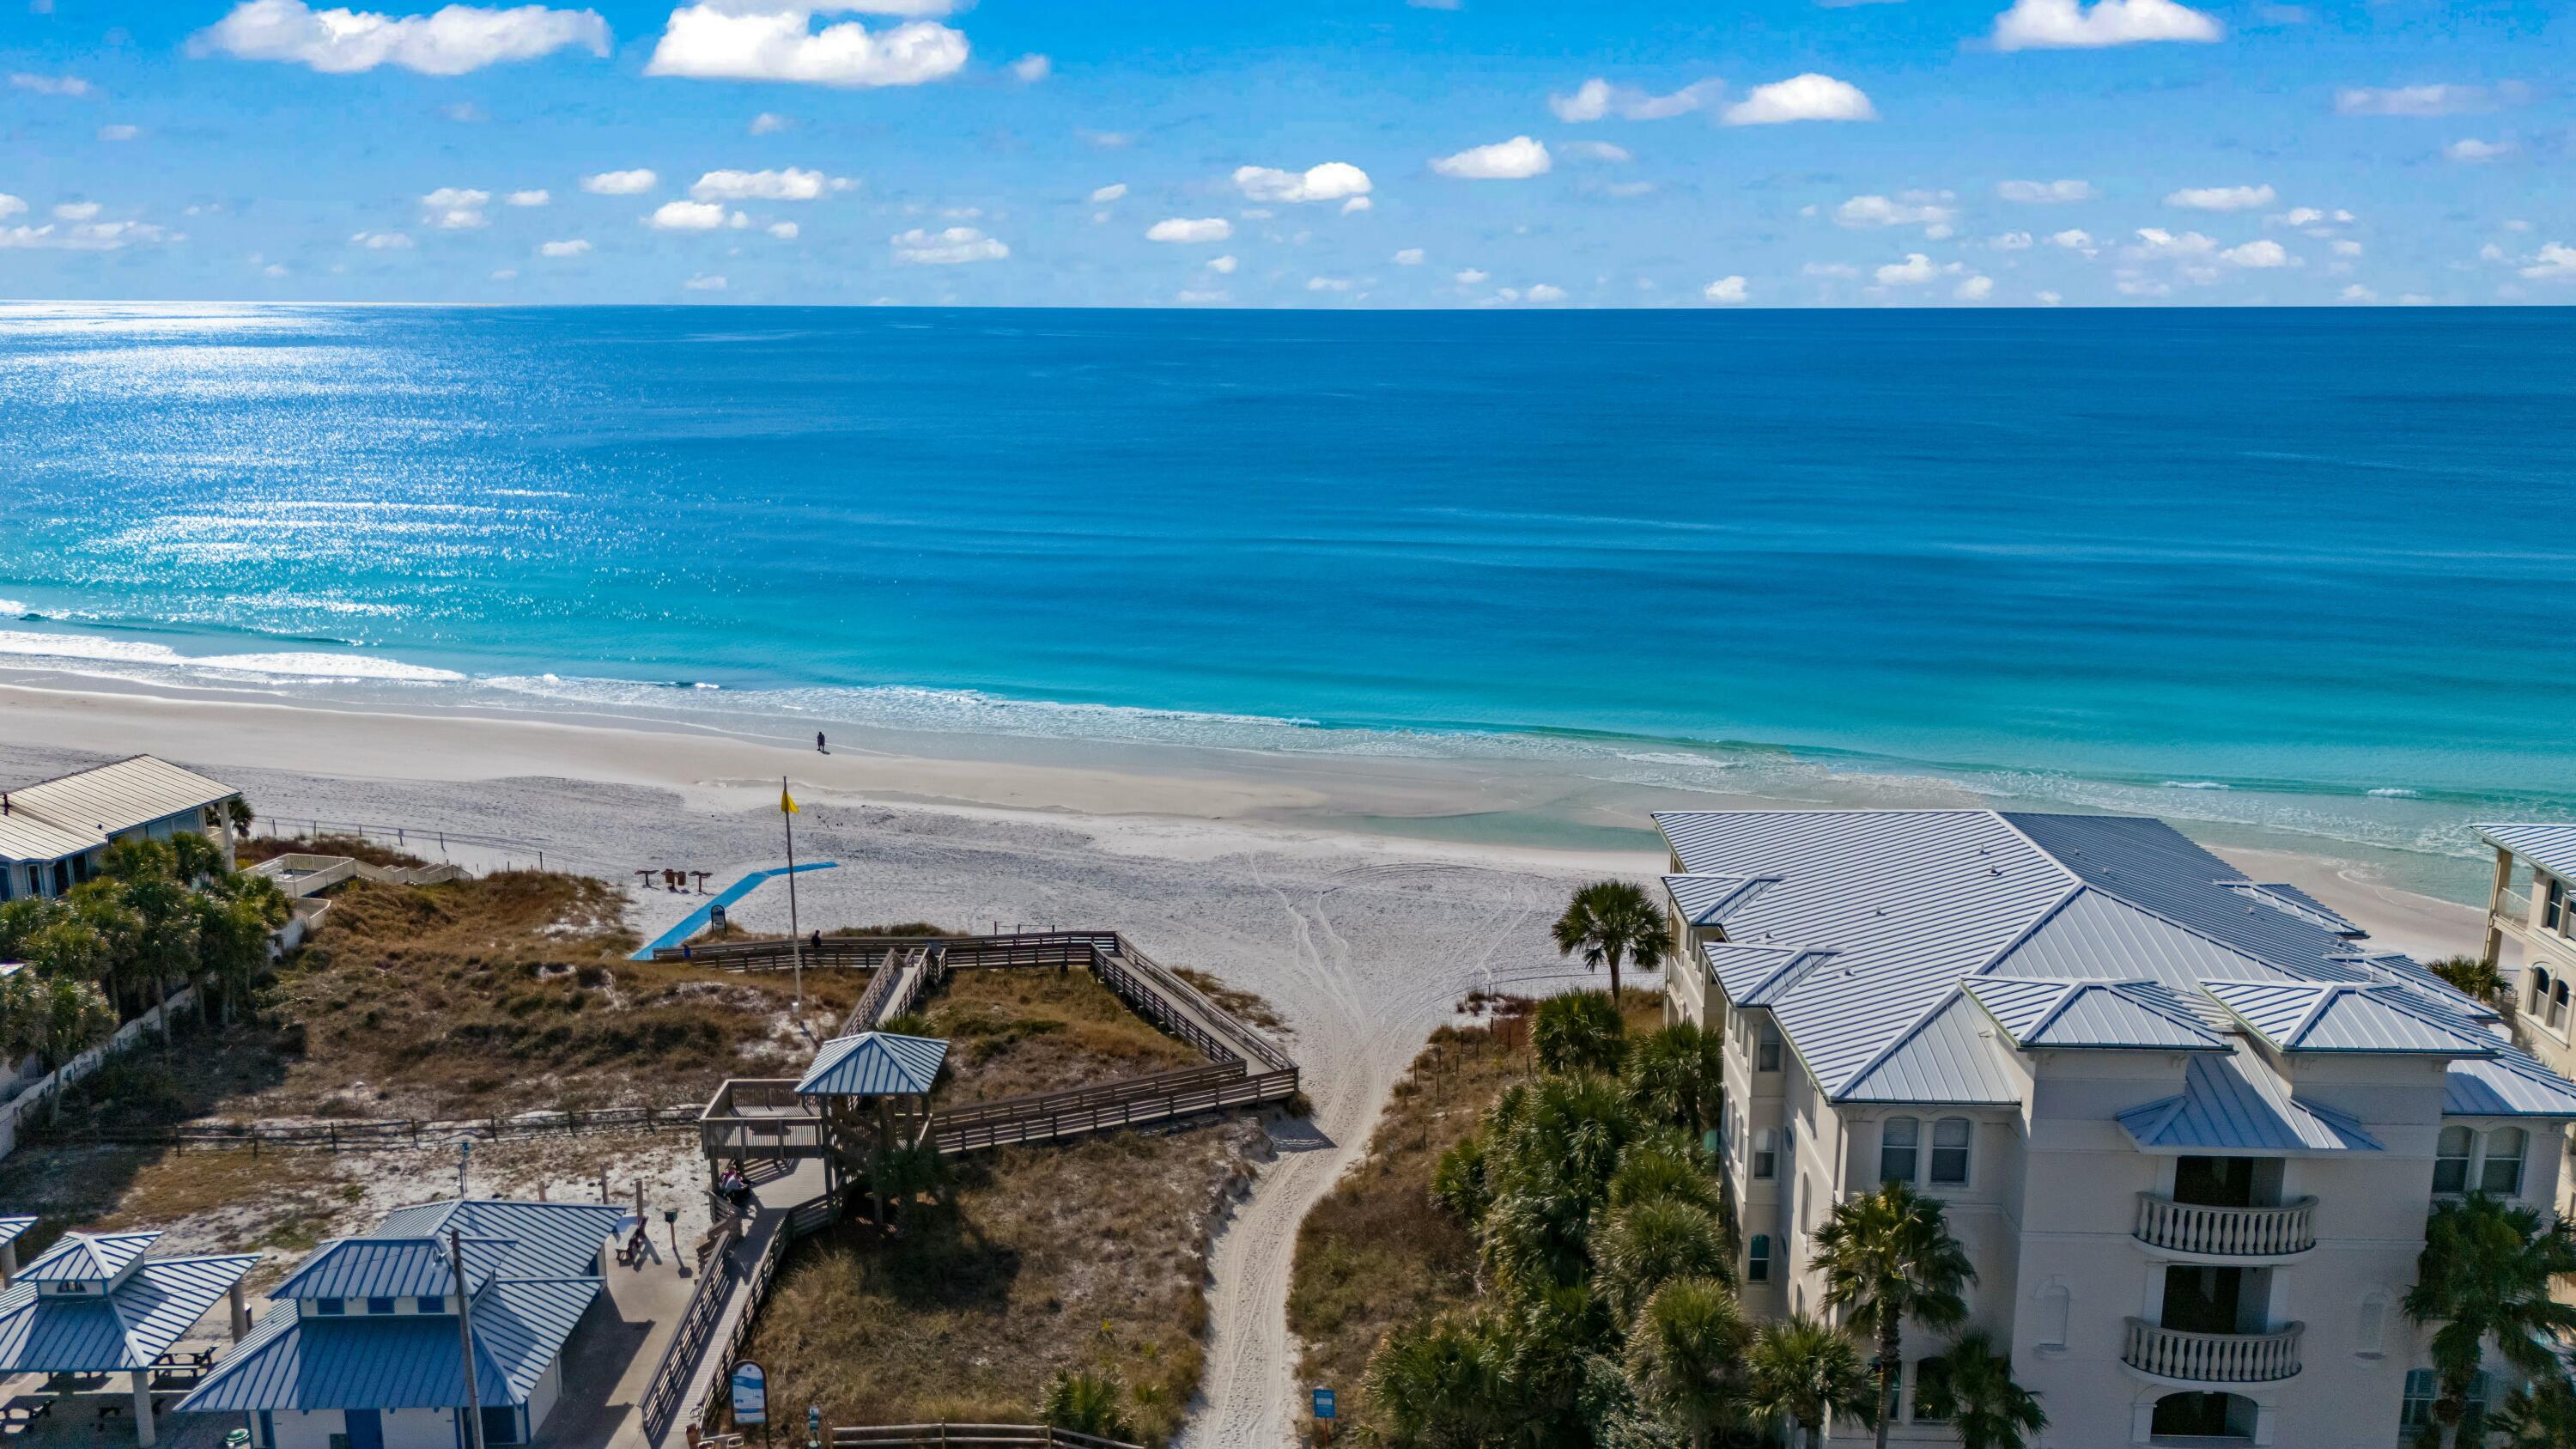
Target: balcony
{"points": [[2170, 1355], [2231, 1233]]}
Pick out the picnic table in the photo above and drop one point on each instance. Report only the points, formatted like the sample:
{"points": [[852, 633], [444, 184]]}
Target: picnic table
{"points": [[21, 1413]]}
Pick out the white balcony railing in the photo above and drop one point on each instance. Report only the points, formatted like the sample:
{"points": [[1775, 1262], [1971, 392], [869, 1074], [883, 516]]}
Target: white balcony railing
{"points": [[2226, 1232], [2515, 907], [2213, 1358]]}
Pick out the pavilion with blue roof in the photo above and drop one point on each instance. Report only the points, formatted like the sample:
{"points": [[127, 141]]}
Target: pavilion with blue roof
{"points": [[371, 1352], [872, 1090], [97, 1303]]}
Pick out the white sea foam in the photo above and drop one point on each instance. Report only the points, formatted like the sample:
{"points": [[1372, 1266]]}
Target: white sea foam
{"points": [[2395, 792], [12, 609], [2195, 785], [143, 658]]}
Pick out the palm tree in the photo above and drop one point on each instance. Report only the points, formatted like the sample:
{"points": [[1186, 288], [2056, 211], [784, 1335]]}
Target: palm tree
{"points": [[1686, 1357], [1551, 1148], [1639, 1248], [2539, 1415], [1981, 1400], [2472, 976], [1437, 1387], [1086, 1403], [1580, 1031], [2485, 1275], [71, 1017], [1888, 1257], [236, 917], [1804, 1370], [1610, 921], [1679, 1074]]}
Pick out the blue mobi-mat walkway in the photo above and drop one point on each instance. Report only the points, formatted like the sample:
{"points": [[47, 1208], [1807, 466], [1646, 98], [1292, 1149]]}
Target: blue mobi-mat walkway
{"points": [[696, 920]]}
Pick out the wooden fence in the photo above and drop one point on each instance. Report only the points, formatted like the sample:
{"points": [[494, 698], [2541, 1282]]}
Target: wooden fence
{"points": [[939, 1436], [379, 1136]]}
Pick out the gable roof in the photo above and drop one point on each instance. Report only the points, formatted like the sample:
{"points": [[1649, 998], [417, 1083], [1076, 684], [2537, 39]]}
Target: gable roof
{"points": [[1704, 900], [2551, 846], [1948, 1057], [2332, 1016], [2062, 1015], [399, 1361], [79, 811], [156, 1304], [543, 1239], [874, 1064], [2230, 1106]]}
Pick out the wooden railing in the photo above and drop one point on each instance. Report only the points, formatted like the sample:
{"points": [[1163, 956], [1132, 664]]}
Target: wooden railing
{"points": [[2213, 1358], [372, 1136], [1033, 1124], [806, 1218], [758, 1119], [939, 1436], [1005, 1109], [716, 1277], [2230, 1232]]}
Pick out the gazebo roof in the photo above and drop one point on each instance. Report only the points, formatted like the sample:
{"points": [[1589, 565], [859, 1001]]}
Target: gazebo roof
{"points": [[48, 1330], [88, 1258], [874, 1064], [11, 1228]]}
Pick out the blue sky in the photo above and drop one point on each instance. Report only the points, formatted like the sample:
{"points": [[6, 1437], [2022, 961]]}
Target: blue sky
{"points": [[1331, 153]]}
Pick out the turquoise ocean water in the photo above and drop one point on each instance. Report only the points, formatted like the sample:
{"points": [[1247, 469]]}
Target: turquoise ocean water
{"points": [[2310, 571]]}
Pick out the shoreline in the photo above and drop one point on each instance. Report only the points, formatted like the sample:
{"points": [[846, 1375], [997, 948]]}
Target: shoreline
{"points": [[1195, 798]]}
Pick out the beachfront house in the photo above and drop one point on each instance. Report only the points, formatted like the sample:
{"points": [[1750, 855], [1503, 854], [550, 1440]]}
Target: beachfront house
{"points": [[2189, 1126], [54, 833], [365, 1350]]}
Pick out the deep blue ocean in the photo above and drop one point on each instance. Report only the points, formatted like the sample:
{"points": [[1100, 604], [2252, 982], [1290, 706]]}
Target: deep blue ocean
{"points": [[2321, 564]]}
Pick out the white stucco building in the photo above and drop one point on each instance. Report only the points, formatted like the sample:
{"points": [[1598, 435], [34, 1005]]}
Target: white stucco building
{"points": [[2189, 1126]]}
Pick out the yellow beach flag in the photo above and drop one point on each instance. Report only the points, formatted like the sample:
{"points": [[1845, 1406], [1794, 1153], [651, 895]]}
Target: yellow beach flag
{"points": [[786, 802]]}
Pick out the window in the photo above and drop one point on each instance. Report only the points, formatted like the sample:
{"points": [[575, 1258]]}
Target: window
{"points": [[2501, 1174], [2558, 1005], [1897, 1137], [1766, 1155], [1893, 1407], [2539, 988], [380, 1305], [328, 1306], [2553, 906], [430, 1303], [1757, 1259], [1766, 1055], [1950, 1151], [2424, 1390], [1932, 1391], [2451, 1159], [2056, 1306]]}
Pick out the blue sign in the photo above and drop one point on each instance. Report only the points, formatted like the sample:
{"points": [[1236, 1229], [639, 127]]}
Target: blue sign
{"points": [[1323, 1403], [750, 1394]]}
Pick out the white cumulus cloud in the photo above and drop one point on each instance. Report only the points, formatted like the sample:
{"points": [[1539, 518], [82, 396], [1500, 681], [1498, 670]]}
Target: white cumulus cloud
{"points": [[1032, 68], [1190, 229], [449, 41], [1328, 284], [2554, 262], [784, 230], [1913, 208], [1107, 194], [2221, 198], [455, 208], [573, 248], [1596, 98], [381, 241], [1809, 97], [2046, 193], [2473, 150], [769, 123], [1544, 292], [2425, 100], [686, 216], [2259, 255], [736, 40], [1331, 181], [1974, 289], [1223, 266], [538, 197], [1470, 277], [2074, 239], [787, 185], [620, 183], [1914, 271], [49, 85], [1409, 257], [2073, 25], [1511, 160], [119, 131], [946, 248], [703, 282], [1727, 290]]}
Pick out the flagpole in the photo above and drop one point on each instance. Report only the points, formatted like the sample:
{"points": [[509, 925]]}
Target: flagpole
{"points": [[787, 817]]}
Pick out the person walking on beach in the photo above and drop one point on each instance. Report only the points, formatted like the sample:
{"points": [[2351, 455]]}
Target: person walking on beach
{"points": [[818, 743]]}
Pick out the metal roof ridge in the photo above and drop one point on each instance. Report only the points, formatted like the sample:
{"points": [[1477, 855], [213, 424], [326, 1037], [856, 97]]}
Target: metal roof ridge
{"points": [[2076, 887], [1878, 1058], [2073, 877], [2231, 948], [2328, 992]]}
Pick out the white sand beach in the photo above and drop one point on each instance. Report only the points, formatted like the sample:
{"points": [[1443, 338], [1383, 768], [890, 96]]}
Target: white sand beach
{"points": [[1362, 939]]}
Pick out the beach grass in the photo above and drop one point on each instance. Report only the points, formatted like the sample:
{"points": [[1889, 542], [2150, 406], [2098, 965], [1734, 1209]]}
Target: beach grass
{"points": [[1013, 1032]]}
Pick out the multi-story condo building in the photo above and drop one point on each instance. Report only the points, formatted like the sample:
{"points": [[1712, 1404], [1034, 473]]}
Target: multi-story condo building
{"points": [[2189, 1126], [2531, 916]]}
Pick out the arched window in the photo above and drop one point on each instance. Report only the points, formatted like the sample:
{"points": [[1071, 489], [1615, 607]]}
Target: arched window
{"points": [[2558, 1004], [2539, 988], [2370, 1324], [2501, 1173], [2451, 1159], [1757, 1259], [1950, 1151], [2056, 1305], [1898, 1138]]}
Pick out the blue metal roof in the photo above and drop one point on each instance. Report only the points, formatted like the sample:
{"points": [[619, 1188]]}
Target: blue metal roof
{"points": [[1751, 975], [399, 1361], [2328, 1016], [2138, 1015], [87, 1257], [874, 1064], [546, 1239], [2551, 846], [378, 1267], [2230, 1105], [12, 1228], [153, 1308], [2285, 896]]}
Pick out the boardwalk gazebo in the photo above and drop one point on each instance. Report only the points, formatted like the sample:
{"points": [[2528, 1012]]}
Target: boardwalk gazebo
{"points": [[872, 1092], [94, 1304], [11, 1229]]}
